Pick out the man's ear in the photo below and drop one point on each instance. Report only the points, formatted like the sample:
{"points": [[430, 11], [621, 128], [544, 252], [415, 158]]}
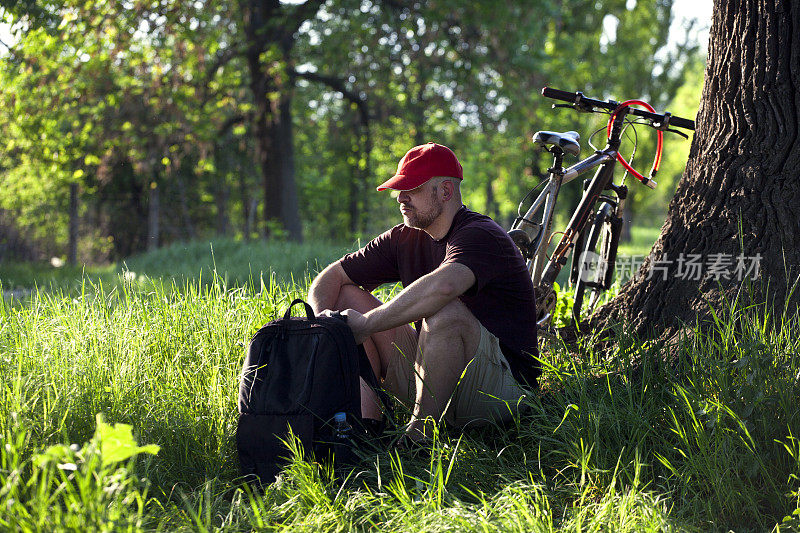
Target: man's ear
{"points": [[447, 189]]}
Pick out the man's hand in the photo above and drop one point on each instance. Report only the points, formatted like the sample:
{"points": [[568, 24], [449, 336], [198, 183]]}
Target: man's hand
{"points": [[419, 300], [356, 321]]}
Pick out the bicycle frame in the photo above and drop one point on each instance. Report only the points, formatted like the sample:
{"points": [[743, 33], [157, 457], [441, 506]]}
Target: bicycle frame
{"points": [[543, 271], [548, 198]]}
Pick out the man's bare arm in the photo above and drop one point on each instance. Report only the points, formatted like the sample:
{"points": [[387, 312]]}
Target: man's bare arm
{"points": [[421, 299], [324, 290]]}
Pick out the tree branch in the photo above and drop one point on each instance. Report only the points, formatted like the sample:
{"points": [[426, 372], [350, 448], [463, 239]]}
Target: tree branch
{"points": [[338, 85], [231, 122], [300, 14], [222, 59]]}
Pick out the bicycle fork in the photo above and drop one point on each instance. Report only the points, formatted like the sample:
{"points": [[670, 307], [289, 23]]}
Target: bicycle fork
{"points": [[610, 213]]}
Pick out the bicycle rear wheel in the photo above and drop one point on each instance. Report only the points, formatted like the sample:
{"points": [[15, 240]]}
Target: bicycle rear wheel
{"points": [[596, 262]]}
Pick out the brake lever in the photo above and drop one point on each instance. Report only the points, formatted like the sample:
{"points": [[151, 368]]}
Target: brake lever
{"points": [[678, 132], [581, 108], [664, 126]]}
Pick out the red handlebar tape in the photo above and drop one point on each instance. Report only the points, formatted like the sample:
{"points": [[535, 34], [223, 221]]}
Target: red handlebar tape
{"points": [[657, 159]]}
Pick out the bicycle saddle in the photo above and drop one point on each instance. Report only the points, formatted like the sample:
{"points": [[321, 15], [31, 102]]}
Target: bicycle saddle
{"points": [[568, 141]]}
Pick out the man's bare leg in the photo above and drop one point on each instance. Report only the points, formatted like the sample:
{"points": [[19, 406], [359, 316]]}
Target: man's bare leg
{"points": [[381, 347], [447, 342]]}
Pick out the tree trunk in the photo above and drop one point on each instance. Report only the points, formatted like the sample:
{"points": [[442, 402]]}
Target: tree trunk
{"points": [[244, 198], [251, 216], [290, 212], [739, 198], [353, 187], [356, 185], [223, 220], [366, 153], [72, 253], [491, 203], [257, 14], [266, 156], [222, 194], [183, 202], [264, 33], [153, 208]]}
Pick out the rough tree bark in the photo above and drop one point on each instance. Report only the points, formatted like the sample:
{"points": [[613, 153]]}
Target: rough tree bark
{"points": [[740, 193], [290, 210], [259, 16]]}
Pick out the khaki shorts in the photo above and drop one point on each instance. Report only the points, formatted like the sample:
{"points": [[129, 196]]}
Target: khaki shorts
{"points": [[486, 392]]}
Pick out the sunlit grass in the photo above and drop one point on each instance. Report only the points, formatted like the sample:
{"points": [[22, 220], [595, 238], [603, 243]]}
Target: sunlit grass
{"points": [[612, 442], [642, 240], [236, 262]]}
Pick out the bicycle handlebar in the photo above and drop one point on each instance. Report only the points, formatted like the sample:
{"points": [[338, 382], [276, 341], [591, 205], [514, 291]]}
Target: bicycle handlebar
{"points": [[577, 99]]}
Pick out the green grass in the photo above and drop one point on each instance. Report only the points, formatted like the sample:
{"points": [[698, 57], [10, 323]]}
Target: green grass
{"points": [[709, 444], [236, 262], [642, 239], [22, 277]]}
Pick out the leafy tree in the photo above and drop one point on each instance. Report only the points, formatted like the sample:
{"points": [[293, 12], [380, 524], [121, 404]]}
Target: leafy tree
{"points": [[165, 115], [469, 75], [119, 99], [32, 13]]}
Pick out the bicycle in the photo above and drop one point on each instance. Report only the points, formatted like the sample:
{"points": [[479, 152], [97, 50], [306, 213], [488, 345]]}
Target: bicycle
{"points": [[596, 238]]}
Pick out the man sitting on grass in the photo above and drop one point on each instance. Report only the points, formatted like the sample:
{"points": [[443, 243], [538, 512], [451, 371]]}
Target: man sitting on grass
{"points": [[466, 289]]}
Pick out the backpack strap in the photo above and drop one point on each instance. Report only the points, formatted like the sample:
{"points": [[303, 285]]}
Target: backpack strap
{"points": [[309, 311]]}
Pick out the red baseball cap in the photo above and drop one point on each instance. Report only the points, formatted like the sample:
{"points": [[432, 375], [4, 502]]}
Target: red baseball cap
{"points": [[422, 163]]}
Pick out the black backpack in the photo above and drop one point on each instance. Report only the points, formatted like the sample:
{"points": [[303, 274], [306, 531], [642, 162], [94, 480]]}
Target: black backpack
{"points": [[299, 373]]}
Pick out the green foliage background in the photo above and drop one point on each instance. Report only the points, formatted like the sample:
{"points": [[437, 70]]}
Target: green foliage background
{"points": [[124, 97]]}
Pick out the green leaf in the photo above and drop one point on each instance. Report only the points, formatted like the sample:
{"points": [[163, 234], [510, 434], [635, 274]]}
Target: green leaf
{"points": [[52, 453], [117, 442]]}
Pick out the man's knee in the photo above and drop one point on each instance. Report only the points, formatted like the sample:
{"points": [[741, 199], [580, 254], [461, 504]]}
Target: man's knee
{"points": [[454, 313], [453, 317]]}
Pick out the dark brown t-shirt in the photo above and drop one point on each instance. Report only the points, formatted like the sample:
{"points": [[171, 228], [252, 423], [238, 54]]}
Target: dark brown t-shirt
{"points": [[502, 297]]}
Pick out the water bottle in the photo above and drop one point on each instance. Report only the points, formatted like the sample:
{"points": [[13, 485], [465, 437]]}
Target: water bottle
{"points": [[342, 430], [343, 453]]}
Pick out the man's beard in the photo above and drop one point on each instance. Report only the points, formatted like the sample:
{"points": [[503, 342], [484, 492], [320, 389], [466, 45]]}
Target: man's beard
{"points": [[421, 220]]}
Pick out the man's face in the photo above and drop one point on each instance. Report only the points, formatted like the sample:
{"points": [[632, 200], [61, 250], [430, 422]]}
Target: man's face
{"points": [[420, 207]]}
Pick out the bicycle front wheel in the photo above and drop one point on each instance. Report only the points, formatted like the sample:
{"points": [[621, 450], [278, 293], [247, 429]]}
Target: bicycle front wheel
{"points": [[596, 261]]}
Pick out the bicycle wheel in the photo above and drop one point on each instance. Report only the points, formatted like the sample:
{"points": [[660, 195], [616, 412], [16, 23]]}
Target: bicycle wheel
{"points": [[596, 261]]}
